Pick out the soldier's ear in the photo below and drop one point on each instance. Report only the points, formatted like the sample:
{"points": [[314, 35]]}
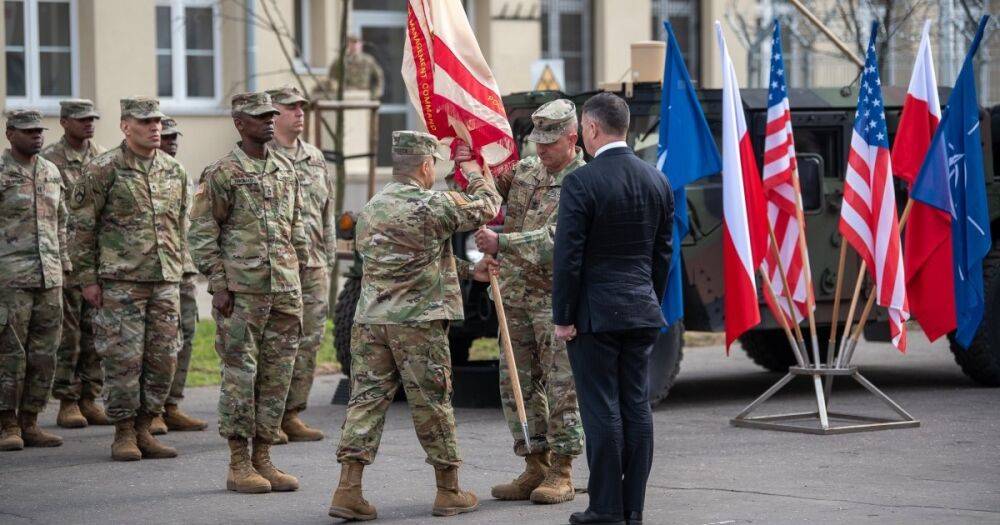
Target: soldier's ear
{"points": [[123, 125]]}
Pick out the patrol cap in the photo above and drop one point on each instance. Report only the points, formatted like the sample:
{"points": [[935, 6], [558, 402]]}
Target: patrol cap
{"points": [[24, 119], [552, 120], [253, 104], [77, 108], [415, 143], [141, 108], [170, 127], [353, 37], [287, 94]]}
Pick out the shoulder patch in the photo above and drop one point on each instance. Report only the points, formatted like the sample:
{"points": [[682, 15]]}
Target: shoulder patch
{"points": [[459, 198]]}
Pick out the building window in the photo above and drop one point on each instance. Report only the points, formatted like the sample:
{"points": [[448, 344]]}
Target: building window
{"points": [[685, 18], [188, 65], [40, 48], [302, 17], [566, 34]]}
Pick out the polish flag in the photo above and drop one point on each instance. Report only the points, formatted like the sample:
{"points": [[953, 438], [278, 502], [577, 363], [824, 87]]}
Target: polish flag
{"points": [[927, 250], [745, 237]]}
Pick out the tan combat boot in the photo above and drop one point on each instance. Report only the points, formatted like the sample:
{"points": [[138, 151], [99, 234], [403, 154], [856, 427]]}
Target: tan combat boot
{"points": [[535, 468], [158, 427], [178, 421], [261, 461], [151, 448], [242, 477], [348, 502], [125, 448], [282, 438], [558, 484], [93, 412], [10, 432], [32, 434], [451, 499], [298, 430], [69, 415]]}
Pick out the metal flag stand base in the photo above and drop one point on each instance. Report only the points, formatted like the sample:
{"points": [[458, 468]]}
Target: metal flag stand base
{"points": [[820, 421]]}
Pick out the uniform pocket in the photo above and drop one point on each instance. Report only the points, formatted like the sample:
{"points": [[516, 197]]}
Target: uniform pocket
{"points": [[107, 331]]}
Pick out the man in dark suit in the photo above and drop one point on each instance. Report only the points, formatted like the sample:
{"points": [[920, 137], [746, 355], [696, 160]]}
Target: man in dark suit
{"points": [[612, 254]]}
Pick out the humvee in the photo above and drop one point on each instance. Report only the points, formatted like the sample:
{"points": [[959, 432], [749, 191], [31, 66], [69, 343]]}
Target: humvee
{"points": [[822, 121]]}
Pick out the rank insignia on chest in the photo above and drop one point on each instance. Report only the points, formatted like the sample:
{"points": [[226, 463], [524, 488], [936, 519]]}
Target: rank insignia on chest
{"points": [[78, 196], [268, 191]]}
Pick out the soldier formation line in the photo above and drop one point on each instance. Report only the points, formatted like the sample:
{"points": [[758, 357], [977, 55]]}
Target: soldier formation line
{"points": [[98, 292]]}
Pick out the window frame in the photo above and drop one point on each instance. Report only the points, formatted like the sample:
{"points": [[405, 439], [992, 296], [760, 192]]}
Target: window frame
{"points": [[666, 10], [584, 8], [179, 103], [33, 98]]}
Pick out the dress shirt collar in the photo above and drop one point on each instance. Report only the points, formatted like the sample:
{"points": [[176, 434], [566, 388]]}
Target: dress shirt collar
{"points": [[610, 145]]}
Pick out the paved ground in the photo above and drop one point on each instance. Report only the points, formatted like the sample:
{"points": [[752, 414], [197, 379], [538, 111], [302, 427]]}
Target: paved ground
{"points": [[946, 471]]}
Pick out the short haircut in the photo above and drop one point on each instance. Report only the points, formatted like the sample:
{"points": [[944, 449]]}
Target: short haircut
{"points": [[403, 164], [610, 112]]}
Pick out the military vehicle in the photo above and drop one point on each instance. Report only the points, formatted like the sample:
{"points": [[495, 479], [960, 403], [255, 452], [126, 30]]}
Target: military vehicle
{"points": [[822, 121]]}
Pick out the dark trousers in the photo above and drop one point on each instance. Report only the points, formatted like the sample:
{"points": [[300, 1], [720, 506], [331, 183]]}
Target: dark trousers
{"points": [[612, 384]]}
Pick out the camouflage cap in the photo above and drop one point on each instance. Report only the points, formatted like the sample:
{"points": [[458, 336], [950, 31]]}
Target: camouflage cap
{"points": [[287, 94], [77, 108], [24, 119], [552, 120], [253, 104], [415, 143], [170, 127], [141, 108]]}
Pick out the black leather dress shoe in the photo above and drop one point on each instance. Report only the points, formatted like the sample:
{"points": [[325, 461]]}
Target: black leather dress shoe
{"points": [[590, 517], [633, 518]]}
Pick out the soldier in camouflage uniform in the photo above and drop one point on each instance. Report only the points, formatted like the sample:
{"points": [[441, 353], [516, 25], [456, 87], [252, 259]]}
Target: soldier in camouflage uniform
{"points": [[128, 237], [409, 293], [173, 417], [317, 219], [361, 70], [247, 238], [78, 377], [33, 259], [526, 246]]}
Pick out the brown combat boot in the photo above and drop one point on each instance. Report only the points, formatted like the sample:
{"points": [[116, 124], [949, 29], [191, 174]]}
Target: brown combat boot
{"points": [[125, 448], [151, 448], [33, 435], [282, 438], [451, 499], [242, 477], [348, 502], [69, 414], [298, 430], [178, 421], [261, 461], [535, 468], [558, 484], [10, 432], [93, 412], [158, 427]]}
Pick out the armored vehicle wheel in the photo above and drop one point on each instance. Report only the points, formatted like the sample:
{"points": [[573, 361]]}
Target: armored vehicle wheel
{"points": [[343, 320], [981, 361], [665, 362], [770, 349]]}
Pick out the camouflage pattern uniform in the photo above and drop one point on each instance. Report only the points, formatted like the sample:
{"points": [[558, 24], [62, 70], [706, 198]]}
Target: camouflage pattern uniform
{"points": [[409, 292], [33, 258], [362, 72], [129, 226], [78, 367], [247, 237], [526, 246], [318, 220]]}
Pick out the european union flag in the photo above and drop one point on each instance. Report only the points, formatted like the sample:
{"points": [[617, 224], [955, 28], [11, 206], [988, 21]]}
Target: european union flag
{"points": [[687, 152], [952, 179]]}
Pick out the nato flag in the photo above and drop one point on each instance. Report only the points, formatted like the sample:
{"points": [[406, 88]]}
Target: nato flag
{"points": [[686, 153], [952, 179]]}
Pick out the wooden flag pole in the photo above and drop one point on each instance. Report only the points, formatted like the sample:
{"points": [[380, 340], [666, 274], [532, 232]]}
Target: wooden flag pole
{"points": [[836, 300], [508, 352], [800, 346], [783, 319], [804, 252]]}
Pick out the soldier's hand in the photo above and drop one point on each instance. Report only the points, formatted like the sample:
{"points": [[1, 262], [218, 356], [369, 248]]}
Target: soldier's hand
{"points": [[484, 268], [565, 333], [92, 293], [463, 153], [223, 302], [488, 241]]}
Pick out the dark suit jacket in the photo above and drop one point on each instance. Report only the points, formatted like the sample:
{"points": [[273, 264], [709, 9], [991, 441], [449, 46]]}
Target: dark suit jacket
{"points": [[612, 245]]}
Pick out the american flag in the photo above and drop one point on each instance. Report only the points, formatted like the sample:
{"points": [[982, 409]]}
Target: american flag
{"points": [[868, 216], [780, 189]]}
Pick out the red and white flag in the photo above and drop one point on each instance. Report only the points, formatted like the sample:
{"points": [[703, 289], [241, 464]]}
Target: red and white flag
{"points": [[451, 84], [744, 231], [783, 205], [868, 217], [927, 252]]}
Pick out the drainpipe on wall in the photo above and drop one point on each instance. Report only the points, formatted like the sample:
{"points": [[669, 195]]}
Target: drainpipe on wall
{"points": [[251, 45]]}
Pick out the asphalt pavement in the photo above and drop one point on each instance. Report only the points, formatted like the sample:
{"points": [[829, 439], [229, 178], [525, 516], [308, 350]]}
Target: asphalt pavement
{"points": [[704, 471]]}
